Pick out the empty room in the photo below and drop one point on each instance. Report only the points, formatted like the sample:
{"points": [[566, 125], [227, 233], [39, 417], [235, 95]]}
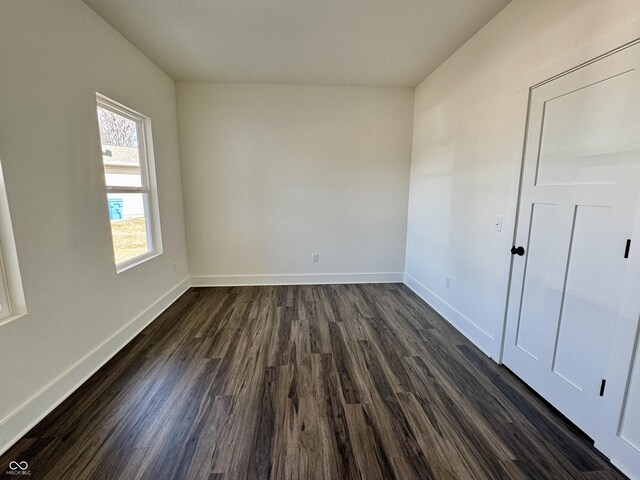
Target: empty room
{"points": [[280, 239]]}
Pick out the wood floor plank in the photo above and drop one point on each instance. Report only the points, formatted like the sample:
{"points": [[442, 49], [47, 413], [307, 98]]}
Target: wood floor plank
{"points": [[337, 449], [371, 456], [306, 382]]}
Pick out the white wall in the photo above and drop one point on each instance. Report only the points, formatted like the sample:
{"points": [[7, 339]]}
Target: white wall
{"points": [[54, 56], [467, 143], [273, 173]]}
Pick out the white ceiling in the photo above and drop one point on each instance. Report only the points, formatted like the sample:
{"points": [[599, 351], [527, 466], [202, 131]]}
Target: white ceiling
{"points": [[320, 42]]}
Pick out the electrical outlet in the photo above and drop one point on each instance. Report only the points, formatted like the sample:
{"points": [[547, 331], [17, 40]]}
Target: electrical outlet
{"points": [[315, 258], [497, 226], [447, 282]]}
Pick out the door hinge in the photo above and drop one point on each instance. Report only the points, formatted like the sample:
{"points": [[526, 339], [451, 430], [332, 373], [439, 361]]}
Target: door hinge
{"points": [[602, 386], [627, 248]]}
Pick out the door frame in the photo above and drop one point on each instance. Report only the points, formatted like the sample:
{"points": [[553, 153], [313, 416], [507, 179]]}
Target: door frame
{"points": [[611, 42]]}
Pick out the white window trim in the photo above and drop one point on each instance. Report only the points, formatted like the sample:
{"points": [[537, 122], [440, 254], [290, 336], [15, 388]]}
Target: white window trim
{"points": [[148, 181], [11, 291]]}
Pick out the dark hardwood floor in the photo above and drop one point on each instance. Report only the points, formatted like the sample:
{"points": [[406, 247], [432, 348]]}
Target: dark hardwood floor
{"points": [[304, 382]]}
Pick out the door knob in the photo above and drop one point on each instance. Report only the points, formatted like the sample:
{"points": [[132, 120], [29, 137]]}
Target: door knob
{"points": [[517, 251]]}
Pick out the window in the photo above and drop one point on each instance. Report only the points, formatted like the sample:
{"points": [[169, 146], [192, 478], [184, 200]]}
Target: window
{"points": [[125, 138], [12, 302]]}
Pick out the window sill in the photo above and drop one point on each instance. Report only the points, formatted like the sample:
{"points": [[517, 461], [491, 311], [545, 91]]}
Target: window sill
{"points": [[11, 317], [135, 261]]}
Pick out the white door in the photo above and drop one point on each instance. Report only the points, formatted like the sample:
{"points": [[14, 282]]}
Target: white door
{"points": [[579, 196]]}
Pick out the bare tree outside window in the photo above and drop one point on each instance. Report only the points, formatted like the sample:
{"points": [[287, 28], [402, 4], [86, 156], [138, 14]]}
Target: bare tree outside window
{"points": [[116, 129]]}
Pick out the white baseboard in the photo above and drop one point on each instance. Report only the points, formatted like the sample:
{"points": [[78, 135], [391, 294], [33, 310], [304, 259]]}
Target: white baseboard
{"points": [[295, 279], [18, 423], [475, 334]]}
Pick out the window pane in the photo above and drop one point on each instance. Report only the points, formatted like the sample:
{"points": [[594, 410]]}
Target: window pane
{"points": [[120, 152], [127, 212]]}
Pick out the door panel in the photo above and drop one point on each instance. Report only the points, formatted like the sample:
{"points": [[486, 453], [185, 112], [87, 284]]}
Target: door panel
{"points": [[584, 319], [541, 295], [587, 131], [578, 200]]}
